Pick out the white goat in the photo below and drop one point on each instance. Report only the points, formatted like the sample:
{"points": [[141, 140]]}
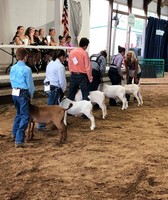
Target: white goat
{"points": [[135, 90], [97, 97], [78, 108], [115, 91]]}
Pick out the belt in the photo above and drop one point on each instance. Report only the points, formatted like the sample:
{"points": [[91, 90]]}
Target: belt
{"points": [[22, 89], [78, 73]]}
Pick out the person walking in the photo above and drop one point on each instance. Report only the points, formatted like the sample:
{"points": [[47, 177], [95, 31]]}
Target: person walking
{"points": [[115, 73], [80, 69], [22, 90], [55, 81], [98, 64]]}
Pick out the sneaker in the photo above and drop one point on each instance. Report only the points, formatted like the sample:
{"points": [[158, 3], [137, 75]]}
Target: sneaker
{"points": [[21, 145]]}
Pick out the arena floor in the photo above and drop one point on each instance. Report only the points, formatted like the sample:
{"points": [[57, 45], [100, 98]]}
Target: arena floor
{"points": [[124, 158]]}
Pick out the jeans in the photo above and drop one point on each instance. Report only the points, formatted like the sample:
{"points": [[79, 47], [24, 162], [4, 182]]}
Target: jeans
{"points": [[22, 116], [54, 95], [114, 76], [96, 80], [115, 79], [78, 81], [53, 99], [129, 81]]}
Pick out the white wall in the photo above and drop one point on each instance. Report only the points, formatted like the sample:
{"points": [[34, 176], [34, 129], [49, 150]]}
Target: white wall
{"points": [[36, 13]]}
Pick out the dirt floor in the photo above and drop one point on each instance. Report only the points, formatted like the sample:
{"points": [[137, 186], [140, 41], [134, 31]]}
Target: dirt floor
{"points": [[124, 158]]}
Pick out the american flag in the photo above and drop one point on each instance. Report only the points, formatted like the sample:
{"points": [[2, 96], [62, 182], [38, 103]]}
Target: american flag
{"points": [[65, 18]]}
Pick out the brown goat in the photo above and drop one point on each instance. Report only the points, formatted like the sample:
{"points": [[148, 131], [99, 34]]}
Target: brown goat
{"points": [[46, 114]]}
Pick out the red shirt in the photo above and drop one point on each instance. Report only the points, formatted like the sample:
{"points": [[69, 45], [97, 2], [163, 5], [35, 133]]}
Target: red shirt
{"points": [[79, 61]]}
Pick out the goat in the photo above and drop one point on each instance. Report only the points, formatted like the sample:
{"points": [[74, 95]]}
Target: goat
{"points": [[115, 91], [79, 107], [97, 97], [46, 114], [135, 90]]}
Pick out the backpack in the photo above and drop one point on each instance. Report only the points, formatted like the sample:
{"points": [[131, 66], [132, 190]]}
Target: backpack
{"points": [[95, 58]]}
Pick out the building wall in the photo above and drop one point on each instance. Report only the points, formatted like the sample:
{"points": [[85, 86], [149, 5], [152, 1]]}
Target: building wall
{"points": [[35, 13]]}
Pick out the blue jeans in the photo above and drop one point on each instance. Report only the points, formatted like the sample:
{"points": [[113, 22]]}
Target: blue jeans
{"points": [[129, 81], [78, 81], [115, 79], [53, 99], [96, 80], [54, 95], [22, 116]]}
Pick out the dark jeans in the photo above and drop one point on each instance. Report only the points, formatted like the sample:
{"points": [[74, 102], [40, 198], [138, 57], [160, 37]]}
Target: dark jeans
{"points": [[22, 116], [54, 95], [115, 79], [129, 81], [77, 81], [96, 80]]}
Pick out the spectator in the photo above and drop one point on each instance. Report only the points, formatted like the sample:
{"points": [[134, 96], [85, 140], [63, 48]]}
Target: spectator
{"points": [[52, 42], [41, 40], [34, 57], [52, 34], [36, 34], [115, 73], [80, 69], [30, 34], [22, 90], [68, 43], [55, 81], [19, 37], [61, 40], [98, 63]]}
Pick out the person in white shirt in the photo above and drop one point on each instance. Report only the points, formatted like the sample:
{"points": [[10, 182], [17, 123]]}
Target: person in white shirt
{"points": [[55, 77], [55, 81]]}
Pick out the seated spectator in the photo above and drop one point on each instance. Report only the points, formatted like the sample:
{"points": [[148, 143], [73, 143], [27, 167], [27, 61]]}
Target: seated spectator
{"points": [[30, 35], [36, 33], [53, 42], [41, 40], [52, 34], [19, 37], [68, 43], [61, 40], [34, 57]]}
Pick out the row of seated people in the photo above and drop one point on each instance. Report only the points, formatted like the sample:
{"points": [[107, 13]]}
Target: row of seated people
{"points": [[38, 58]]}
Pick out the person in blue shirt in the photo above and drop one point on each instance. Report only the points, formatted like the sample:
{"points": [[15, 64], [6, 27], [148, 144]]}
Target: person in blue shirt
{"points": [[22, 90]]}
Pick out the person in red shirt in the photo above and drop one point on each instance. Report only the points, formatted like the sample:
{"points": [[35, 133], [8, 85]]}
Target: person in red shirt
{"points": [[80, 69]]}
